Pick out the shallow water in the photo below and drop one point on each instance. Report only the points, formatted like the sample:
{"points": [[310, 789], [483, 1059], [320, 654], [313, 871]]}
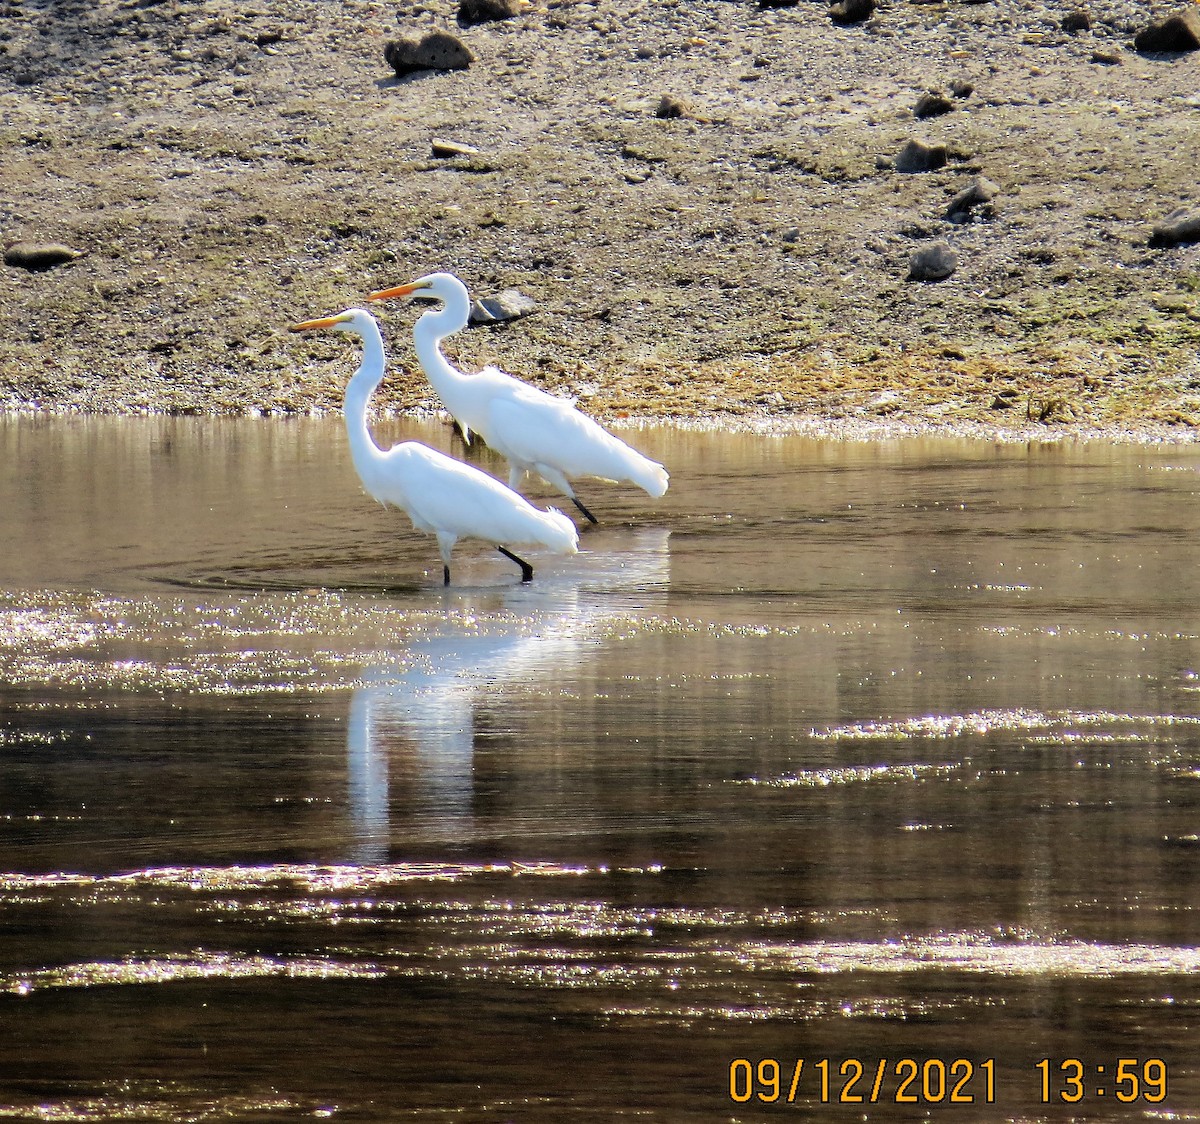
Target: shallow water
{"points": [[886, 754]]}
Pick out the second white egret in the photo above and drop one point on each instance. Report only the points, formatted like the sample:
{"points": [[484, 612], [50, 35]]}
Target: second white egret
{"points": [[534, 431]]}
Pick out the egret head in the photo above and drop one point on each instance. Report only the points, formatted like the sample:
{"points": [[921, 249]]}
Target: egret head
{"points": [[436, 286], [352, 320]]}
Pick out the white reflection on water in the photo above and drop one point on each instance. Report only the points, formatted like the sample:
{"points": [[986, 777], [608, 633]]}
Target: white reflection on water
{"points": [[431, 691]]}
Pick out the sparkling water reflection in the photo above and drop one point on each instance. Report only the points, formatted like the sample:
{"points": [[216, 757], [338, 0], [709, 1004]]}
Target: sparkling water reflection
{"points": [[846, 751]]}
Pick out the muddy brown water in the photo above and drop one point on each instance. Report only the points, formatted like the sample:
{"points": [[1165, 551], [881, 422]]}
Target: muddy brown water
{"points": [[882, 758]]}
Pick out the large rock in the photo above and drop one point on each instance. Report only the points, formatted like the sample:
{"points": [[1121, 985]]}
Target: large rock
{"points": [[851, 11], [39, 256], [917, 156], [1181, 225], [932, 103], [932, 263], [1177, 33], [439, 50], [980, 190], [484, 11], [508, 305]]}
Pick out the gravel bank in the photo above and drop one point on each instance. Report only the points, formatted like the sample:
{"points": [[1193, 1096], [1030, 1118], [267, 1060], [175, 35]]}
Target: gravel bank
{"points": [[703, 200]]}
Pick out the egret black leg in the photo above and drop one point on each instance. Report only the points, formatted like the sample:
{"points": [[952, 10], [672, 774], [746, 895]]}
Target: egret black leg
{"points": [[590, 517], [526, 568], [445, 574]]}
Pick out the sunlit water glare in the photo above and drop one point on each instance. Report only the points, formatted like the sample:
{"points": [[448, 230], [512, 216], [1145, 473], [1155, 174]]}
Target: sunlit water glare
{"points": [[838, 751]]}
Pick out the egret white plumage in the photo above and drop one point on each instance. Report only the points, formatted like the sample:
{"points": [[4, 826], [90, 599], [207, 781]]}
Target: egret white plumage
{"points": [[441, 495], [534, 431]]}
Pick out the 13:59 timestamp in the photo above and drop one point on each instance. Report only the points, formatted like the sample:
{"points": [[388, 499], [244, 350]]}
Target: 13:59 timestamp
{"points": [[1125, 1079]]}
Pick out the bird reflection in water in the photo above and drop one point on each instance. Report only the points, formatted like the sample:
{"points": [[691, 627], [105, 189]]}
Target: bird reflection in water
{"points": [[428, 697]]}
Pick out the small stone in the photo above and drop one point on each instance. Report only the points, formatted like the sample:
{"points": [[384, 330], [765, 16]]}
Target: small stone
{"points": [[1174, 35], [439, 50], [670, 106], [1181, 225], [485, 11], [980, 190], [37, 257], [445, 149], [851, 11], [508, 305], [932, 263], [1106, 58], [1076, 21], [932, 104], [917, 156], [791, 234], [961, 88]]}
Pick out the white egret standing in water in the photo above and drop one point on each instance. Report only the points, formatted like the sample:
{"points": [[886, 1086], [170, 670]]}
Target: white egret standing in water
{"points": [[534, 431], [442, 496]]}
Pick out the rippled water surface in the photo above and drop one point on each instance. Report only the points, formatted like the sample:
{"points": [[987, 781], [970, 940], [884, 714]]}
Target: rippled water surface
{"points": [[872, 757]]}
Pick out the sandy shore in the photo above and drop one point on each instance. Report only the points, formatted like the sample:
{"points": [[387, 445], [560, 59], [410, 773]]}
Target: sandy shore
{"points": [[746, 259]]}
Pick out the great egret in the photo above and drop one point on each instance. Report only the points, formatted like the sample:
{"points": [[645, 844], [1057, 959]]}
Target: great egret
{"points": [[442, 496], [534, 431]]}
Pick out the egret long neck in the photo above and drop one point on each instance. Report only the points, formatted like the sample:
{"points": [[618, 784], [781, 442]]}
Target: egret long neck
{"points": [[363, 450], [429, 331]]}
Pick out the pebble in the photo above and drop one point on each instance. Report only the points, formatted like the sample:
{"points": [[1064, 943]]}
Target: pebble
{"points": [[508, 305], [444, 149], [439, 50], [39, 256], [670, 106], [917, 156], [1181, 225], [980, 190], [851, 11], [1173, 35], [932, 263], [484, 11], [1076, 21], [933, 103]]}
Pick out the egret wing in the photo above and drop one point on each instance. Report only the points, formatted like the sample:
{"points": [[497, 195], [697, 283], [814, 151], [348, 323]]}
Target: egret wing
{"points": [[538, 429]]}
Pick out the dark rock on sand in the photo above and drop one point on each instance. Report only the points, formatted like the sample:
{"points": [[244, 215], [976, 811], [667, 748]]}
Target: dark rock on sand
{"points": [[917, 156], [1181, 225], [485, 11], [1173, 35], [932, 263], [851, 11], [980, 190], [933, 103], [1076, 21], [39, 256], [670, 106], [439, 50]]}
